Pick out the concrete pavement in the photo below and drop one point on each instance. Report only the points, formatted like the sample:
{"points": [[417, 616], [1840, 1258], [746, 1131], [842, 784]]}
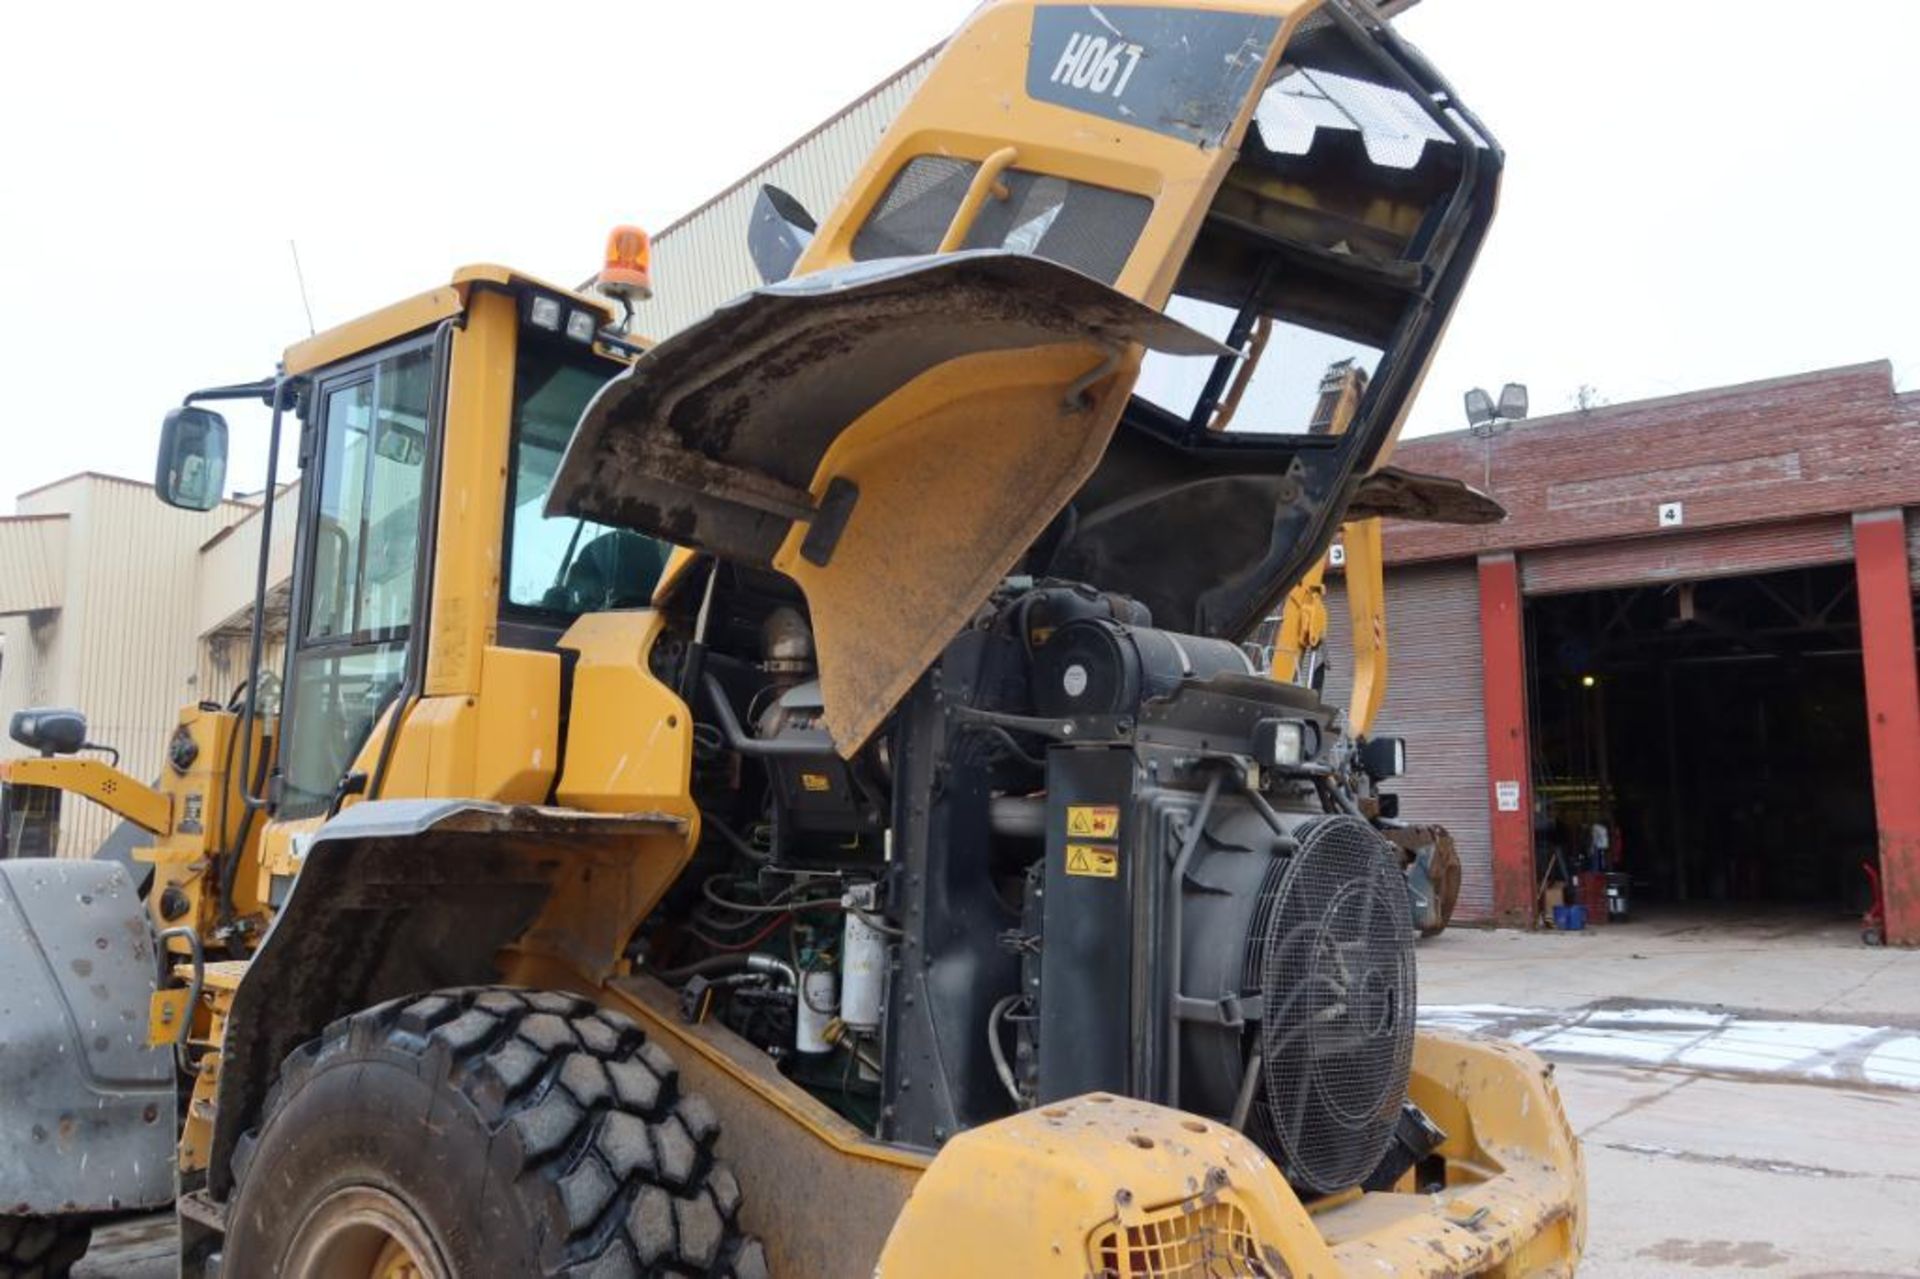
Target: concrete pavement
{"points": [[1747, 1089], [1783, 964]]}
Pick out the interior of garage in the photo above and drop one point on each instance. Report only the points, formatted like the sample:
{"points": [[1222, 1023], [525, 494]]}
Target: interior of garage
{"points": [[1716, 732]]}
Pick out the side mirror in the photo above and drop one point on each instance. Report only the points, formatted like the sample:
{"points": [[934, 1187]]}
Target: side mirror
{"points": [[778, 232], [1384, 757], [192, 470]]}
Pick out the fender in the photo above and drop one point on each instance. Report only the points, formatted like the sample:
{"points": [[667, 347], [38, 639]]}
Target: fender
{"points": [[404, 895]]}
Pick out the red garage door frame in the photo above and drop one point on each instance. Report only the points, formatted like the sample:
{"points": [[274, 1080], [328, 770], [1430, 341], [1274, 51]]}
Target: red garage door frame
{"points": [[1893, 711]]}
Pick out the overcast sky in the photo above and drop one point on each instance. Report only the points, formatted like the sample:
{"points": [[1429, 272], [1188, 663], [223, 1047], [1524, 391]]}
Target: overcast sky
{"points": [[1698, 193]]}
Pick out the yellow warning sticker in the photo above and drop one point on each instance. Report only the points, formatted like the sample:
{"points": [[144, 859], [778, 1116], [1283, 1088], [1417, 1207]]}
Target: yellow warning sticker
{"points": [[1093, 821], [1093, 860], [815, 782]]}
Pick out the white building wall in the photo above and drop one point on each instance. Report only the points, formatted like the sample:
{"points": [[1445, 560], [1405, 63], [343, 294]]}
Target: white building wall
{"points": [[122, 647], [701, 260]]}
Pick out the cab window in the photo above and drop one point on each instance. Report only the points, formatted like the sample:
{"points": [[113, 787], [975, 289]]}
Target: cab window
{"points": [[1078, 224], [562, 566], [356, 621]]}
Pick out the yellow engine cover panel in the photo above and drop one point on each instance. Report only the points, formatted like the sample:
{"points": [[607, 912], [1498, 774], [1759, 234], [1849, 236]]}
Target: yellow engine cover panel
{"points": [[1103, 1185], [629, 737]]}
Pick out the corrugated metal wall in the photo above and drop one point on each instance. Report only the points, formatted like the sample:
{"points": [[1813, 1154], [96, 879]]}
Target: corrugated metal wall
{"points": [[33, 562], [229, 562], [28, 664], [1682, 557], [132, 650], [124, 648], [222, 667], [1434, 701], [701, 260]]}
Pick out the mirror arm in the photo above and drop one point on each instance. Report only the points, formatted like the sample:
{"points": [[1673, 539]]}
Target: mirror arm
{"points": [[262, 391]]}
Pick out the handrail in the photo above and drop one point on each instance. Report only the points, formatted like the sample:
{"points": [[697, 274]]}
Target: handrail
{"points": [[985, 182]]}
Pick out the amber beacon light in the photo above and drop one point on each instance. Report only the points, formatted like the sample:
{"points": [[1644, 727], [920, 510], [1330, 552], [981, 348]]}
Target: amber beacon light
{"points": [[627, 271]]}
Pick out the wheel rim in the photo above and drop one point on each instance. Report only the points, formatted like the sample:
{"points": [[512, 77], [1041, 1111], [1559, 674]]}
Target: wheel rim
{"points": [[364, 1233]]}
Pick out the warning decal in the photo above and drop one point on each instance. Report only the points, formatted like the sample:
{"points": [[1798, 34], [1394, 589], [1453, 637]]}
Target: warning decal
{"points": [[1093, 860], [815, 782], [1093, 821]]}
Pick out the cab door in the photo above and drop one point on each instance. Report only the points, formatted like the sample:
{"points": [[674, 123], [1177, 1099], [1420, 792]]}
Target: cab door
{"points": [[351, 620]]}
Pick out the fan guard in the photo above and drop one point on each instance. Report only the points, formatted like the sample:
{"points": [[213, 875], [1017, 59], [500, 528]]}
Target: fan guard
{"points": [[1330, 956]]}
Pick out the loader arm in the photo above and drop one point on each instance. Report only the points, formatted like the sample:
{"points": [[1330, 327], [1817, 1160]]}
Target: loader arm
{"points": [[149, 809]]}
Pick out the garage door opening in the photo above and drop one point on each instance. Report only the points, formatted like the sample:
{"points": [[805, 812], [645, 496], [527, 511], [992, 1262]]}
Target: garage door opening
{"points": [[1715, 732]]}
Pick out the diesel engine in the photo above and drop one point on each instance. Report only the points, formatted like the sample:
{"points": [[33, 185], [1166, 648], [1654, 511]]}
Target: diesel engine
{"points": [[1085, 855]]}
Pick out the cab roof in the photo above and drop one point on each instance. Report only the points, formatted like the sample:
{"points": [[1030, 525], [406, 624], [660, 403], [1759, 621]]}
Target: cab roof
{"points": [[422, 310]]}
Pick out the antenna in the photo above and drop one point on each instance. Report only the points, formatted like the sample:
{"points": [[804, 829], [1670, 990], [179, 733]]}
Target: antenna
{"points": [[301, 277]]}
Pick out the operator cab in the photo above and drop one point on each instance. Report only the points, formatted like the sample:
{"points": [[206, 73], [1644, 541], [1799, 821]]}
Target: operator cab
{"points": [[398, 416]]}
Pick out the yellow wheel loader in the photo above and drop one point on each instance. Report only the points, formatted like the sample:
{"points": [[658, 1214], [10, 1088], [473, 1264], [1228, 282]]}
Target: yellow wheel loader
{"points": [[791, 799], [1359, 764]]}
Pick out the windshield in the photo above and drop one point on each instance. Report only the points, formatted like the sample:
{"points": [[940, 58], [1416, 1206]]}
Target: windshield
{"points": [[1279, 380], [564, 565]]}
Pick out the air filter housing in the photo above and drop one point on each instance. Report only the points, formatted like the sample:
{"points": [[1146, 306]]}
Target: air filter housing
{"points": [[1094, 666]]}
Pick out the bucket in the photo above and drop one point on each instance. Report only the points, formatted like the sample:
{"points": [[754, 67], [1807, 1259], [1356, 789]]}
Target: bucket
{"points": [[1570, 919]]}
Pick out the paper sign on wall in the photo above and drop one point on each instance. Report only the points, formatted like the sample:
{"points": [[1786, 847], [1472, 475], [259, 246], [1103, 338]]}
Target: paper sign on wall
{"points": [[1506, 796]]}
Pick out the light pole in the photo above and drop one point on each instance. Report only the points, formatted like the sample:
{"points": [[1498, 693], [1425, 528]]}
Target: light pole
{"points": [[1485, 419]]}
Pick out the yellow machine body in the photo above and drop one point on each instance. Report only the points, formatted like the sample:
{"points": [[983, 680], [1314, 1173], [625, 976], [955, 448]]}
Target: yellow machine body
{"points": [[575, 772]]}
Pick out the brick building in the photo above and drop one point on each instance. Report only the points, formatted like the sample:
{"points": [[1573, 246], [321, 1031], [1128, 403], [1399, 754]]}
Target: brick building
{"points": [[1696, 627]]}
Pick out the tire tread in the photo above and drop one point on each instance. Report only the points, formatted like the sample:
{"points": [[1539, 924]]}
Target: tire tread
{"points": [[607, 1151]]}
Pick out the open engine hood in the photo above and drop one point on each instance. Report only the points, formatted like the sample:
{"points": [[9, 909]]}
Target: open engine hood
{"points": [[893, 435], [1207, 532]]}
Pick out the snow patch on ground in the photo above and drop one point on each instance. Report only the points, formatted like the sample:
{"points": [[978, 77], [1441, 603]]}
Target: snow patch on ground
{"points": [[1698, 1039]]}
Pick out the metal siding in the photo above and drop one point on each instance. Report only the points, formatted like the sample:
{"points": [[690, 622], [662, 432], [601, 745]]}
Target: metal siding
{"points": [[221, 666], [27, 666], [1687, 556], [1434, 700], [229, 561], [33, 563], [701, 261]]}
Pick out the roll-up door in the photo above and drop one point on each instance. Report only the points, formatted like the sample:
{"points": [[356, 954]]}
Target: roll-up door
{"points": [[1913, 545], [1683, 556], [1434, 701]]}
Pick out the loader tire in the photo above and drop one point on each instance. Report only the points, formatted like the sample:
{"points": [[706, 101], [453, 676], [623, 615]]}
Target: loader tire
{"points": [[489, 1132], [42, 1247]]}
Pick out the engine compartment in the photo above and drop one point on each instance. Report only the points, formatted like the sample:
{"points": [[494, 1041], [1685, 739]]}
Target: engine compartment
{"points": [[1082, 855]]}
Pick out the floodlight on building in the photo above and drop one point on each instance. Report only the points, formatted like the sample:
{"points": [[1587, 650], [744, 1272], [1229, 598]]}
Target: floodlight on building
{"points": [[1513, 401], [1486, 417], [1480, 410]]}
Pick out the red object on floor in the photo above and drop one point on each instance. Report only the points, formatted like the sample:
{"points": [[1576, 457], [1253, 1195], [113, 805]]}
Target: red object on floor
{"points": [[1873, 925], [1591, 892]]}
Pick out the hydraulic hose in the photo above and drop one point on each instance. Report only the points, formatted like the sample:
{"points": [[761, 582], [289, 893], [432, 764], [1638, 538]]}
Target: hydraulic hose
{"points": [[713, 965]]}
